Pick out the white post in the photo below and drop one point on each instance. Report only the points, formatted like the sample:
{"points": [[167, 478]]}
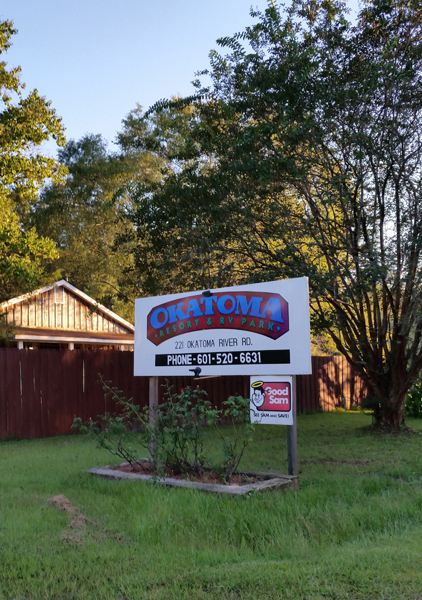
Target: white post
{"points": [[20, 345], [71, 346]]}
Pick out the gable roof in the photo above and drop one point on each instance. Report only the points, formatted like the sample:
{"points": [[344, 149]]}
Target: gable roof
{"points": [[63, 283]]}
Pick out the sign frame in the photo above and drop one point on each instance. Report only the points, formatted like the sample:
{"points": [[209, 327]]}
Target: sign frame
{"points": [[262, 328]]}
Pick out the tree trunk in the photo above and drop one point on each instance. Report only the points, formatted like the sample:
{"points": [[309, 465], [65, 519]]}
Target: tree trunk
{"points": [[389, 413]]}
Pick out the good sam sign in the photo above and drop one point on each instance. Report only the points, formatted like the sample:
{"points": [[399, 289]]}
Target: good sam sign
{"points": [[261, 328], [271, 400]]}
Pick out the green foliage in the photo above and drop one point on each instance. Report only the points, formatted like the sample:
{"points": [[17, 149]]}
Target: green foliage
{"points": [[23, 127], [180, 427], [414, 400], [84, 216], [356, 517], [174, 431], [237, 411], [310, 137], [6, 329], [95, 217], [113, 432], [23, 255], [172, 248], [25, 122]]}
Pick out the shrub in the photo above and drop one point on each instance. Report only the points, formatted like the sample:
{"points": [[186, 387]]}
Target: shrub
{"points": [[180, 429], [414, 400], [236, 410], [115, 432], [175, 436]]}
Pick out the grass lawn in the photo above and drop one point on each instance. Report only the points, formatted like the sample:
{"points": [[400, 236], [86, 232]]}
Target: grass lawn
{"points": [[354, 530]]}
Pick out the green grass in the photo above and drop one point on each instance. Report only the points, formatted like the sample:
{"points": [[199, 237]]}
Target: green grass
{"points": [[353, 531]]}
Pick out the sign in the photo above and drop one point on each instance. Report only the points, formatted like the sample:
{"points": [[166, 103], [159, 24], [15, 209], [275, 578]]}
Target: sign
{"points": [[263, 328], [271, 400]]}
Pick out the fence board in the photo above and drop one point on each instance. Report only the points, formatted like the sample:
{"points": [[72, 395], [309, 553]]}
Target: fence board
{"points": [[41, 391], [55, 401], [44, 395], [31, 402], [94, 397], [13, 399], [11, 387], [72, 389], [4, 426]]}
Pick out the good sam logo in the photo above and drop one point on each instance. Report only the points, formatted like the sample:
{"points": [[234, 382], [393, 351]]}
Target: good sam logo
{"points": [[267, 396], [259, 312]]}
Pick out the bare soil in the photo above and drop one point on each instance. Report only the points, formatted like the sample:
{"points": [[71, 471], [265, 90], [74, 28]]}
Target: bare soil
{"points": [[77, 521]]}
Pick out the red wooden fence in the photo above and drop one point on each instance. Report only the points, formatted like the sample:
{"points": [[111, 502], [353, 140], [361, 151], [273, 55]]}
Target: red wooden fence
{"points": [[41, 391]]}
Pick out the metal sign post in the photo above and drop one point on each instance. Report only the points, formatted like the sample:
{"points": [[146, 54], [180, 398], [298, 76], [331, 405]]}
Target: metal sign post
{"points": [[153, 403], [292, 436]]}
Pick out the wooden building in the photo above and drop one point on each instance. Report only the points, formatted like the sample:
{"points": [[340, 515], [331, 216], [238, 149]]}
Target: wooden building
{"points": [[61, 316]]}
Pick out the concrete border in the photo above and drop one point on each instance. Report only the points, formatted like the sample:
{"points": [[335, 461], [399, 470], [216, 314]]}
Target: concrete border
{"points": [[270, 481]]}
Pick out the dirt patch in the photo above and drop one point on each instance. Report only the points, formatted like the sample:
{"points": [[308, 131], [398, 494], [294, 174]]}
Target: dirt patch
{"points": [[336, 463], [207, 476], [74, 533], [62, 503], [379, 431]]}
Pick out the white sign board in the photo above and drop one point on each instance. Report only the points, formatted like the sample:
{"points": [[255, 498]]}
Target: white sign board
{"points": [[271, 400], [260, 328]]}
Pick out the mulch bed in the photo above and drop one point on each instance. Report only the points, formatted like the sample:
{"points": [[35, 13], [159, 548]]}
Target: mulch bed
{"points": [[208, 476]]}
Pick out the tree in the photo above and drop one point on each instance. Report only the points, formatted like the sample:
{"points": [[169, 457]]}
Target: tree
{"points": [[174, 250], [315, 125], [93, 216], [23, 127], [101, 251], [84, 215], [25, 122], [23, 255]]}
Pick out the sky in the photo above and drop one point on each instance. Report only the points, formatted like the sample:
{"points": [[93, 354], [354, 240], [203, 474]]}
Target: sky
{"points": [[96, 59]]}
